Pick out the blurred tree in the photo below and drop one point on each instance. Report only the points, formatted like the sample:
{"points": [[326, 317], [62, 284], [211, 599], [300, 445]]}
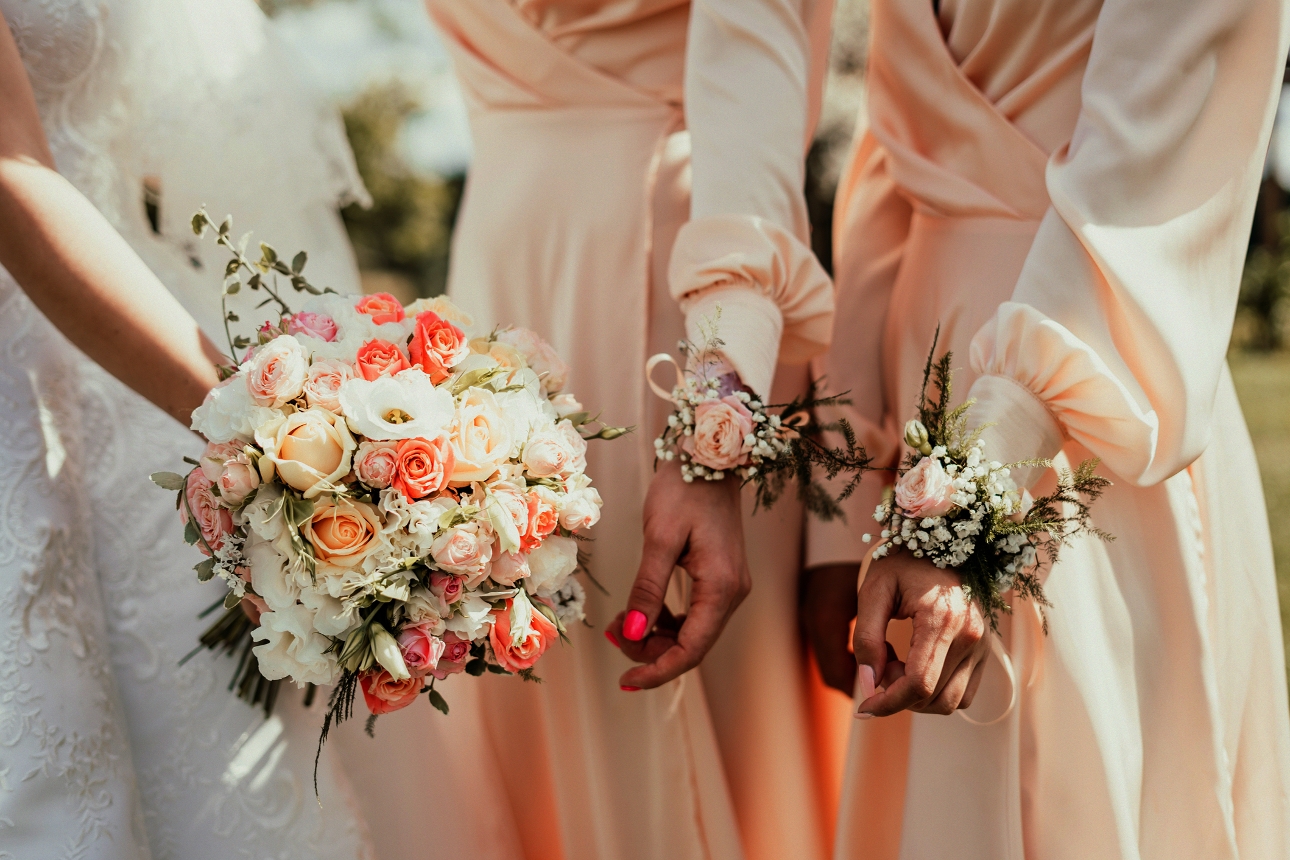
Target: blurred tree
{"points": [[408, 228], [1263, 314]]}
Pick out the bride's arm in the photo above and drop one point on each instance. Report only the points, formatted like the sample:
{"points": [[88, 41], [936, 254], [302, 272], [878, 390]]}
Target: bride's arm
{"points": [[79, 271]]}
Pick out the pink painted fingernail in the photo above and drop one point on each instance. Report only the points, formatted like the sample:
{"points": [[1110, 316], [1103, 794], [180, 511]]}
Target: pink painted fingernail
{"points": [[864, 683], [612, 638], [626, 689], [634, 625]]}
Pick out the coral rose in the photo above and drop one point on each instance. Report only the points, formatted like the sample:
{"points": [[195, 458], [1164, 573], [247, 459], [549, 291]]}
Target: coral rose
{"points": [[542, 520], [520, 634], [437, 345], [384, 695], [308, 323], [378, 358], [925, 490], [381, 307], [277, 371], [423, 467], [377, 463]]}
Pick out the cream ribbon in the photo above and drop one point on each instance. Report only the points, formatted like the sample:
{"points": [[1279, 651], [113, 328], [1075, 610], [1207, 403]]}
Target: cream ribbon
{"points": [[654, 362], [996, 648]]}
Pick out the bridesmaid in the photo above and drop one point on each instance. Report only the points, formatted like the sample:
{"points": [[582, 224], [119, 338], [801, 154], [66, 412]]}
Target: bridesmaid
{"points": [[1065, 187], [585, 116]]}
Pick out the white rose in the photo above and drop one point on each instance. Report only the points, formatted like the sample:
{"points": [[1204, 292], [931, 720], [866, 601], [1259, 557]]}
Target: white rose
{"points": [[547, 455], [424, 607], [292, 648], [405, 406], [565, 405], [581, 510], [481, 437], [277, 371], [229, 413], [540, 357], [472, 619], [310, 450], [551, 563]]}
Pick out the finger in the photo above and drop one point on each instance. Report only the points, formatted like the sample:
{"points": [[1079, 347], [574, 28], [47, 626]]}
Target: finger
{"points": [[710, 608], [663, 546], [923, 668], [973, 684], [953, 686], [875, 605]]}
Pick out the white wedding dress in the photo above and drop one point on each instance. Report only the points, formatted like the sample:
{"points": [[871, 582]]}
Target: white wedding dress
{"points": [[108, 748]]}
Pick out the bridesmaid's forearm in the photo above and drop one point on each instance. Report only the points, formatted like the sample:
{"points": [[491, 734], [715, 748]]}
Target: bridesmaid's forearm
{"points": [[93, 287]]}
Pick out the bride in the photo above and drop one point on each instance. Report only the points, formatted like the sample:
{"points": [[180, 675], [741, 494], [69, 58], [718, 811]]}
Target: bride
{"points": [[118, 119]]}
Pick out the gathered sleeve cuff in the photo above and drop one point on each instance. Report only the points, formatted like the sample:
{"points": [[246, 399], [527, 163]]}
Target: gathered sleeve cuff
{"points": [[774, 299]]}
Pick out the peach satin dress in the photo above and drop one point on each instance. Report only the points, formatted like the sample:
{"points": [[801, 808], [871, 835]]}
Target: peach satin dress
{"points": [[1066, 188], [581, 180]]}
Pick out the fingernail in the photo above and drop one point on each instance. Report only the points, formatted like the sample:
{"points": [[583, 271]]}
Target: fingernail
{"points": [[864, 683], [863, 715], [612, 638], [627, 689], [634, 625]]}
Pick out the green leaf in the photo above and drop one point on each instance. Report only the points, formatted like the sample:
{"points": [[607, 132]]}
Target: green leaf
{"points": [[231, 600], [577, 419], [167, 480], [241, 341], [267, 254], [298, 264], [476, 667], [437, 699], [191, 534], [205, 570], [232, 317], [226, 226], [495, 669], [254, 282], [233, 288], [199, 223]]}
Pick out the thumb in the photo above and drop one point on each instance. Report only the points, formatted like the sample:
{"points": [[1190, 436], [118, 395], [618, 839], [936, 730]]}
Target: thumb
{"points": [[875, 605]]}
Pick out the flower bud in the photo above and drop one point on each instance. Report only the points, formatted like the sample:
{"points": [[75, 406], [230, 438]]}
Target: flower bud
{"points": [[916, 437], [386, 650]]}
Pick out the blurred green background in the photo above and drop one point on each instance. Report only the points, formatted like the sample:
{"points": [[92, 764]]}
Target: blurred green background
{"points": [[384, 67]]}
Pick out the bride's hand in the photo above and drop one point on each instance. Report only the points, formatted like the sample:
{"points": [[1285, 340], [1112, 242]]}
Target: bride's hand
{"points": [[697, 526], [947, 650], [826, 609]]}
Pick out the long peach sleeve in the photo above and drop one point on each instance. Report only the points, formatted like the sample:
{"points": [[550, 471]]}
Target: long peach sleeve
{"points": [[1117, 329], [752, 83]]}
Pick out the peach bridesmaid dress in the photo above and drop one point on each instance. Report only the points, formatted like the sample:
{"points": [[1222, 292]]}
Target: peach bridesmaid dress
{"points": [[600, 128], [1065, 187]]}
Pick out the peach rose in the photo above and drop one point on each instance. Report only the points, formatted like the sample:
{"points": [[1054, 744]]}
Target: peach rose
{"points": [[424, 467], [547, 454], [378, 358], [320, 326], [277, 371], [322, 386], [520, 635], [381, 307], [343, 532], [925, 490], [509, 568], [443, 306], [377, 463], [215, 456], [456, 654], [310, 450], [226, 465], [720, 427], [542, 520], [421, 650], [214, 523], [481, 437], [446, 587], [384, 695], [437, 345], [466, 549]]}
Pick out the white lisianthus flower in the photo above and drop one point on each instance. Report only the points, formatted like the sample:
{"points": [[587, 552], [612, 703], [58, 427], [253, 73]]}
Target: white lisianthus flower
{"points": [[269, 574], [425, 520], [386, 650], [472, 619], [331, 616], [405, 406], [550, 564], [292, 648], [229, 413]]}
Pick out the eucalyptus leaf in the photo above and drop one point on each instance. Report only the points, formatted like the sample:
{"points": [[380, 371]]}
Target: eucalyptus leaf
{"points": [[267, 254], [437, 699], [167, 480], [298, 264], [476, 667], [205, 570], [226, 226], [234, 288], [191, 534], [199, 223], [231, 600]]}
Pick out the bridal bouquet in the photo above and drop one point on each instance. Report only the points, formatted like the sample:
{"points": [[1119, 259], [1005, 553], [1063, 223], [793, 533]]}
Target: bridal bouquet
{"points": [[959, 509], [397, 502]]}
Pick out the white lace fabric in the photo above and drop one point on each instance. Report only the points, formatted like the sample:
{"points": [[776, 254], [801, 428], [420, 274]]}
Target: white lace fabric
{"points": [[108, 748]]}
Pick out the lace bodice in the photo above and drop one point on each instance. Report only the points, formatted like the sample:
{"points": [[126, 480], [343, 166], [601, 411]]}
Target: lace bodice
{"points": [[109, 748]]}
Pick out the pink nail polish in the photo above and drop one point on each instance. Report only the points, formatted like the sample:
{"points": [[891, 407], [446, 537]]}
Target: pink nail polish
{"points": [[626, 689], [612, 638], [634, 625]]}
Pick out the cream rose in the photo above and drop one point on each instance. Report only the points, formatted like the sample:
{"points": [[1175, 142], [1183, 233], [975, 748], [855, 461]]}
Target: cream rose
{"points": [[310, 450], [323, 383], [925, 490], [581, 510], [547, 454], [540, 357], [277, 371], [481, 437], [720, 430]]}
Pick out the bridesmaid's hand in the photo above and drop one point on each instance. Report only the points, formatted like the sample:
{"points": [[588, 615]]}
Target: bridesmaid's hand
{"points": [[947, 649], [697, 526], [826, 608]]}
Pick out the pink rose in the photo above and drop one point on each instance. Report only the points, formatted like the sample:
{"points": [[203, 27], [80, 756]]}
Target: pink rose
{"points": [[446, 587], [424, 467], [519, 650], [455, 656], [421, 651], [720, 427], [542, 521], [377, 463], [383, 694], [322, 385], [277, 372], [238, 480], [320, 326], [378, 358], [509, 568], [381, 307], [216, 455], [466, 549], [925, 490], [437, 345], [213, 522]]}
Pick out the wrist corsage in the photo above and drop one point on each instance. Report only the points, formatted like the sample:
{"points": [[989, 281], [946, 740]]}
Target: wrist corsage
{"points": [[956, 507], [720, 428]]}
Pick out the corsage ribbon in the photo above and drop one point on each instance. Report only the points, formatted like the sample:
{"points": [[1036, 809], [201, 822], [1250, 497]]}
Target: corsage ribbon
{"points": [[653, 362]]}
